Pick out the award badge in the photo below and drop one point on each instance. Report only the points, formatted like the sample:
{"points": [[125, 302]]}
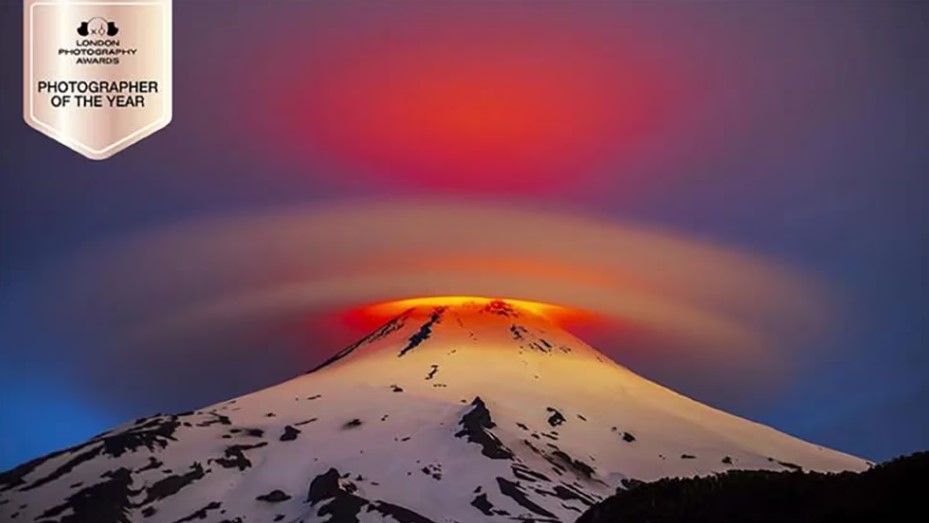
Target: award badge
{"points": [[97, 74]]}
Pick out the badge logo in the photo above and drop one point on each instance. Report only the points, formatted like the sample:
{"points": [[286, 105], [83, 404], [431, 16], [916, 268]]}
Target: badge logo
{"points": [[103, 27], [97, 74]]}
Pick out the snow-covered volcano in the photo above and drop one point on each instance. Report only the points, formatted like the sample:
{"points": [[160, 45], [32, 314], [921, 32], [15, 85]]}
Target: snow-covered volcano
{"points": [[482, 411]]}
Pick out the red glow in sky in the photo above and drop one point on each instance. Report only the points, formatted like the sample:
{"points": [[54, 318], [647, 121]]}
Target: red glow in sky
{"points": [[536, 111], [470, 123]]}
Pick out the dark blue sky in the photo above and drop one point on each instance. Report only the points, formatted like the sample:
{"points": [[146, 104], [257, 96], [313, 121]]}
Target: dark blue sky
{"points": [[798, 132]]}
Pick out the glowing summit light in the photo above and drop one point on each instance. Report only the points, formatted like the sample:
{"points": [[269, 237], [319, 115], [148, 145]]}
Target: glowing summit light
{"points": [[392, 308]]}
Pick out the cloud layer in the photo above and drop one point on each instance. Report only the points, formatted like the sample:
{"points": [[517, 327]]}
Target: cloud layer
{"points": [[252, 296]]}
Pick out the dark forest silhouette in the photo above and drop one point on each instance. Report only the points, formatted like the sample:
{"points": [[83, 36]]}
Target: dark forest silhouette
{"points": [[896, 491]]}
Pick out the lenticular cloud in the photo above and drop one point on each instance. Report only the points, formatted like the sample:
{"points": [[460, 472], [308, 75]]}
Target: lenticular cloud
{"points": [[221, 277]]}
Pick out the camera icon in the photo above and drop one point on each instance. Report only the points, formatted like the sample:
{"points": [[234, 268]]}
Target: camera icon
{"points": [[97, 26]]}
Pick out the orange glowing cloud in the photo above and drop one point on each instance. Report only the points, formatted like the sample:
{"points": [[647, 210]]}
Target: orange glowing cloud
{"points": [[221, 281]]}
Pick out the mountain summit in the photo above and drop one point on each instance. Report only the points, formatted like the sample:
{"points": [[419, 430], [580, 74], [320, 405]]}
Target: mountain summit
{"points": [[478, 411]]}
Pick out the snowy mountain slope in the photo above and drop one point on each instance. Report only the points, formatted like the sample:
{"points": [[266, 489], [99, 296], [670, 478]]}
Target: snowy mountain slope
{"points": [[476, 412]]}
